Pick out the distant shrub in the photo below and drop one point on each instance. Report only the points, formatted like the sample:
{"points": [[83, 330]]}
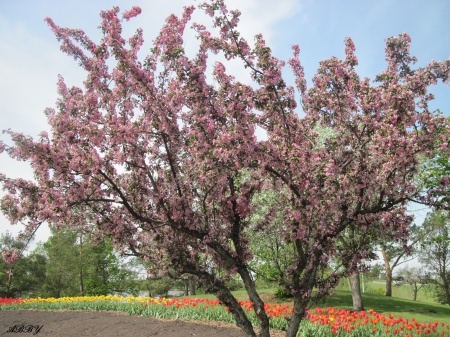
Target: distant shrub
{"points": [[234, 284], [263, 284], [378, 291], [282, 294]]}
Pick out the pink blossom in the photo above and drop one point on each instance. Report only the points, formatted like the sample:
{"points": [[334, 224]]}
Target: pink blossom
{"points": [[133, 12], [10, 255]]}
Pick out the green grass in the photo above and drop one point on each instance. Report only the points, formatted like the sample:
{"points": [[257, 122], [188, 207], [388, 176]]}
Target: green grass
{"points": [[401, 291], [239, 294]]}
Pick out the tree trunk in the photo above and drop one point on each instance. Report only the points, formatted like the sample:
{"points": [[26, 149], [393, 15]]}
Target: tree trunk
{"points": [[81, 265], [388, 272], [186, 288], [415, 290], [258, 304], [191, 285], [388, 282], [302, 296], [355, 288], [225, 296], [8, 288], [446, 286], [297, 316]]}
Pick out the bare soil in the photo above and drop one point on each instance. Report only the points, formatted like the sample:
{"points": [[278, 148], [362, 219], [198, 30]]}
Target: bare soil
{"points": [[71, 323]]}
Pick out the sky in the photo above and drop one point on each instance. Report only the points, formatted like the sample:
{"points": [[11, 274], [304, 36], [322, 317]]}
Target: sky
{"points": [[30, 58]]}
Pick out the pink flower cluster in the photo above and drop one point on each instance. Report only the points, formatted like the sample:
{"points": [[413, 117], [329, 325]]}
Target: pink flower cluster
{"points": [[10, 255], [133, 12]]}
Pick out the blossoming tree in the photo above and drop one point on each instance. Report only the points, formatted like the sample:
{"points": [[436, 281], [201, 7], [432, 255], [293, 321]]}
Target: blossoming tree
{"points": [[167, 165]]}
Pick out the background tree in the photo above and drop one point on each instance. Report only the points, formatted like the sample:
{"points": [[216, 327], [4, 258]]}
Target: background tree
{"points": [[395, 254], [107, 273], [352, 240], [272, 255], [155, 159], [434, 173], [435, 252], [62, 275], [415, 277], [156, 285], [159, 286], [374, 272], [79, 267]]}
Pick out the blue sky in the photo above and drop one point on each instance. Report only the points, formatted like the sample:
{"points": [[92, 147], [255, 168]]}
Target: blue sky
{"points": [[30, 59]]}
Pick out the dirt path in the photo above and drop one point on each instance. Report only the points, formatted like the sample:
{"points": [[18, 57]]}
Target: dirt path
{"points": [[107, 324]]}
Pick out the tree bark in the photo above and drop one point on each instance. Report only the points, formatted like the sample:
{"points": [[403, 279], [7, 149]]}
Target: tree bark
{"points": [[446, 286], [191, 285], [301, 301], [81, 265], [8, 288], [388, 273], [355, 288], [242, 321], [218, 288], [299, 312], [258, 304], [239, 315], [415, 290], [186, 288]]}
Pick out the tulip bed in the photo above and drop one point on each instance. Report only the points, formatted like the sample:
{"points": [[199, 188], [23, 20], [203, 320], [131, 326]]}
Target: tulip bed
{"points": [[319, 322]]}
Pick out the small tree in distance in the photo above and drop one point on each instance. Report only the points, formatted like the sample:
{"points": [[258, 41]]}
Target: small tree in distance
{"points": [[415, 278], [167, 165], [395, 254]]}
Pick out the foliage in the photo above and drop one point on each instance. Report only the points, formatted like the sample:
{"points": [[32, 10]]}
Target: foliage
{"points": [[234, 284], [374, 272], [260, 283], [167, 166], [395, 254], [157, 286], [415, 277], [77, 267], [106, 272], [28, 272], [379, 291], [282, 293], [272, 254], [439, 292], [435, 253], [434, 172], [62, 277]]}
